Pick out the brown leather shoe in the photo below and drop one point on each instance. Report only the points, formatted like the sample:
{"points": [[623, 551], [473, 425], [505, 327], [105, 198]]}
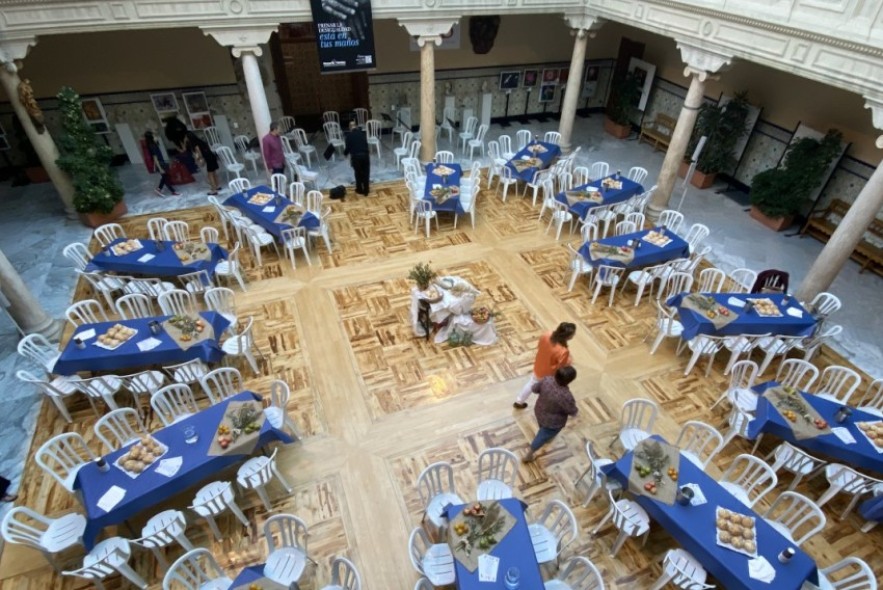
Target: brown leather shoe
{"points": [[519, 406]]}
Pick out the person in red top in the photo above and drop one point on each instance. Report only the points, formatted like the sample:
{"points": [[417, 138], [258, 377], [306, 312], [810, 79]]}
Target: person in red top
{"points": [[554, 405], [552, 353], [271, 146]]}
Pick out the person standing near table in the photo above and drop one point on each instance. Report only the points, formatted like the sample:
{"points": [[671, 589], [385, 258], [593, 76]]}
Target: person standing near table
{"points": [[159, 164], [554, 404], [4, 489], [360, 157], [271, 146], [552, 353]]}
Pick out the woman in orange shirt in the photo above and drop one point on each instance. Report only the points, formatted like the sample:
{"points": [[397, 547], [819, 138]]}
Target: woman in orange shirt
{"points": [[552, 353]]}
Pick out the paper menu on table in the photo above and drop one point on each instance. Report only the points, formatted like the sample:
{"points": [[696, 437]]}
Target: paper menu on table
{"points": [[794, 312], [843, 434], [148, 344], [146, 258], [169, 467], [111, 498], [268, 209], [760, 569], [86, 334], [735, 302], [488, 565]]}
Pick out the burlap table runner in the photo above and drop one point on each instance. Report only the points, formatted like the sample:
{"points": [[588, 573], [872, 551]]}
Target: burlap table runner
{"points": [[574, 197], [622, 254], [497, 522], [190, 252], [658, 456], [185, 332], [789, 399], [245, 442], [708, 307], [263, 584], [522, 165], [290, 215]]}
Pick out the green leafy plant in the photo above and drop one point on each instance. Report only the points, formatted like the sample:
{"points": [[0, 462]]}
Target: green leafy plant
{"points": [[722, 125], [422, 274], [780, 192], [624, 96], [85, 159]]}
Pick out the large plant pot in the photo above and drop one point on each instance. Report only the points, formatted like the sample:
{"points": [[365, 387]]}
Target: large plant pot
{"points": [[616, 130], [699, 179], [98, 219], [774, 223], [36, 174]]}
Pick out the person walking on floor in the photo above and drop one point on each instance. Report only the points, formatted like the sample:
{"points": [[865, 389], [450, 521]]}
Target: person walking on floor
{"points": [[554, 405], [271, 146], [552, 353], [360, 157], [159, 165]]}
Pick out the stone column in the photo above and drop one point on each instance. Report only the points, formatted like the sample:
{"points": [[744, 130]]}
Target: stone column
{"points": [[582, 28], [23, 306], [428, 32], [42, 142], [851, 228], [701, 64]]}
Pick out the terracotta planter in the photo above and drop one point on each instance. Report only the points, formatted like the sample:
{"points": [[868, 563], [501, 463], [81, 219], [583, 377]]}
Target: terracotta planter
{"points": [[774, 223], [98, 219], [699, 179], [616, 130], [36, 174]]}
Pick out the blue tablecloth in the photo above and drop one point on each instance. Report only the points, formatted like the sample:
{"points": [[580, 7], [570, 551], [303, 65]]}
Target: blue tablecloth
{"points": [[860, 454], [872, 509], [95, 358], [432, 179], [746, 323], [546, 157], [514, 550], [151, 488], [164, 264], [694, 528], [251, 575], [645, 255], [267, 219], [611, 196]]}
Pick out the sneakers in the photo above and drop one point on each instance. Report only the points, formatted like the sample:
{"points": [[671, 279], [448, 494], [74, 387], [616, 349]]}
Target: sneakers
{"points": [[176, 194], [519, 406], [158, 192], [213, 193]]}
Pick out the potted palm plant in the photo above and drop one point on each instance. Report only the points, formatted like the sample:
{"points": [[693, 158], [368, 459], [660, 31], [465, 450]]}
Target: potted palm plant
{"points": [[98, 196], [624, 97], [722, 125], [778, 194]]}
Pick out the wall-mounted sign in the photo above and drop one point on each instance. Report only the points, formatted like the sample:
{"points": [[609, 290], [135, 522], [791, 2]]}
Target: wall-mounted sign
{"points": [[344, 35]]}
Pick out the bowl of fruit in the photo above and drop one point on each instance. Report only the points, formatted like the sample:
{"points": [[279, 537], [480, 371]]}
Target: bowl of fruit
{"points": [[481, 315], [673, 473]]}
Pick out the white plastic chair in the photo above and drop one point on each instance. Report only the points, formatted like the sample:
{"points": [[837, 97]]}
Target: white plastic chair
{"points": [[119, 428], [286, 537], [637, 174], [743, 279], [560, 215], [748, 476], [797, 373], [223, 301], [241, 142], [277, 412], [403, 150], [695, 236], [373, 133], [103, 387], [436, 562], [212, 137], [176, 231], [552, 137], [506, 180], [304, 147], [231, 268], [177, 302], [606, 276], [842, 478], [667, 326], [581, 176], [152, 287], [331, 117], [296, 192], [239, 185], [56, 392], [682, 570], [295, 238], [699, 442], [796, 517], [444, 157], [108, 233], [812, 344], [344, 575], [522, 138], [497, 470], [85, 312], [467, 133], [711, 280], [243, 344], [212, 500], [333, 135], [135, 305], [403, 121], [221, 383], [671, 219], [106, 558], [106, 285], [188, 372], [577, 574], [49, 536], [630, 519], [579, 266], [162, 530], [449, 117], [144, 383], [258, 240], [624, 227], [649, 275], [423, 215], [593, 476], [540, 177], [850, 573], [278, 183], [838, 384], [436, 488], [78, 254], [174, 403], [196, 570], [196, 282], [636, 422], [824, 304], [599, 170], [228, 160], [739, 392], [773, 346], [553, 531], [478, 141], [257, 472], [872, 401], [703, 345]]}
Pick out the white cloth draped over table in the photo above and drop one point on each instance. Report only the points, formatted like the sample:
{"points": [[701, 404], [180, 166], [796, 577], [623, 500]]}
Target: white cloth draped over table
{"points": [[458, 297]]}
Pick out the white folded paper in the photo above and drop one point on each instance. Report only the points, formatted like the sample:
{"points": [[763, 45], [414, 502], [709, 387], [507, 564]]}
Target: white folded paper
{"points": [[111, 498], [148, 344], [698, 496], [736, 302], [146, 258], [843, 434], [268, 209], [525, 157], [85, 334], [760, 569], [794, 312], [487, 568], [169, 467]]}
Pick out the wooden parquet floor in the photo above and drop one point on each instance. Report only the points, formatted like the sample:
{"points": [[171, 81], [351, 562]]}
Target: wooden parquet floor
{"points": [[376, 405]]}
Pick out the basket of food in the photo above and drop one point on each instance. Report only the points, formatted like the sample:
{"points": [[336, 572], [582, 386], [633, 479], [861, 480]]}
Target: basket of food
{"points": [[481, 315]]}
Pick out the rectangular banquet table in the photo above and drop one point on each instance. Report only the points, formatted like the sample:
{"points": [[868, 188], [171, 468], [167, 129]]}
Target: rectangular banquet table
{"points": [[151, 488], [128, 355], [513, 550], [694, 528], [607, 196], [451, 182], [872, 509], [267, 219], [861, 453], [546, 158], [255, 575], [646, 254], [745, 323], [165, 262]]}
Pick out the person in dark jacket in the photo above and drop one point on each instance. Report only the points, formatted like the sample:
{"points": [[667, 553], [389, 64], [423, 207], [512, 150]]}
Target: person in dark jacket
{"points": [[159, 164], [360, 157], [554, 405]]}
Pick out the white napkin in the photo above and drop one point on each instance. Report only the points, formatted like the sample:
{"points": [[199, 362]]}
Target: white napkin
{"points": [[794, 312], [736, 302], [525, 157], [111, 498], [169, 467], [698, 496], [85, 334], [268, 209], [148, 344], [760, 569], [843, 434], [487, 568], [146, 258]]}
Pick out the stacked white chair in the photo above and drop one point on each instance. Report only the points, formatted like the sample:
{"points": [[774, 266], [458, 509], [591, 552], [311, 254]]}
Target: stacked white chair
{"points": [[497, 470]]}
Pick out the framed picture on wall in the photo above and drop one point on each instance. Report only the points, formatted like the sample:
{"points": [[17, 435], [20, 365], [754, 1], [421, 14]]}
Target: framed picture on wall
{"points": [[550, 76], [94, 113], [164, 102], [563, 73], [644, 72], [510, 80], [531, 77], [547, 93], [590, 87], [198, 112]]}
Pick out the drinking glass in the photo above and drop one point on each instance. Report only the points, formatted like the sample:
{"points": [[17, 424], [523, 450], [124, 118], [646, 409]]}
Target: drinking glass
{"points": [[190, 434], [513, 577]]}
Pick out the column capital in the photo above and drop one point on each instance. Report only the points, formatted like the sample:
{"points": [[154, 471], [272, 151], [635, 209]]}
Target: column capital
{"points": [[241, 39], [875, 103], [14, 50], [428, 30], [584, 24], [702, 62]]}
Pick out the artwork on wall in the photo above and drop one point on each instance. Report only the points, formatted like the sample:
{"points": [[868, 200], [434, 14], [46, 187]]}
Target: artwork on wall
{"points": [[198, 112], [165, 104], [644, 72], [531, 77], [547, 93], [510, 80], [550, 76], [4, 143], [94, 113], [563, 74], [590, 87]]}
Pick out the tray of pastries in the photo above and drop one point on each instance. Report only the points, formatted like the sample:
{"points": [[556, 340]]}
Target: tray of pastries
{"points": [[612, 184], [657, 238], [116, 336], [736, 531], [765, 307], [261, 198], [873, 431], [140, 456], [126, 247], [442, 170]]}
